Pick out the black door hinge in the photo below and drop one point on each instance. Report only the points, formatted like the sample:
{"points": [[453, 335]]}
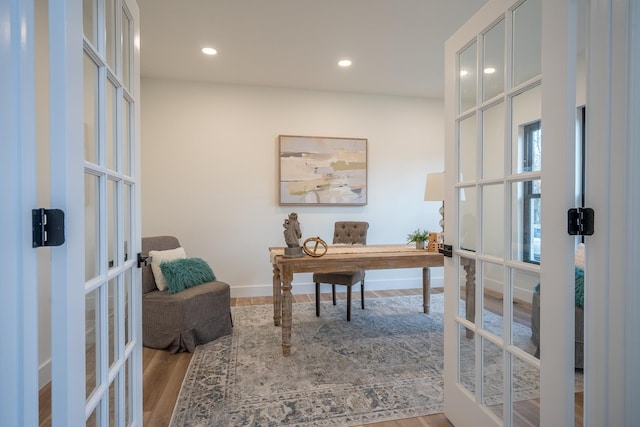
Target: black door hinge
{"points": [[47, 226], [580, 221]]}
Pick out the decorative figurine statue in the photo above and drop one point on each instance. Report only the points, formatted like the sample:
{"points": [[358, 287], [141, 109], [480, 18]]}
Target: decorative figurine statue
{"points": [[292, 235], [292, 232]]}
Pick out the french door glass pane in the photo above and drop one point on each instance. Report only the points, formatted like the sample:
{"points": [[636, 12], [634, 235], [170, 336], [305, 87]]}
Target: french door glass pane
{"points": [[94, 418], [112, 229], [93, 339], [90, 20], [467, 78], [467, 296], [126, 51], [111, 125], [91, 221], [493, 285], [128, 392], [492, 376], [467, 286], [113, 400], [493, 142], [467, 220], [112, 38], [527, 41], [128, 307], [493, 61], [526, 108], [112, 324], [467, 349], [525, 332], [532, 232], [468, 134], [126, 210], [526, 209], [91, 129], [493, 220], [126, 137], [526, 393]]}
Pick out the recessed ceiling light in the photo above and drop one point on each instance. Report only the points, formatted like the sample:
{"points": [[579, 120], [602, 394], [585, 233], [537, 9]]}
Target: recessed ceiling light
{"points": [[489, 70], [344, 63], [463, 73], [209, 51]]}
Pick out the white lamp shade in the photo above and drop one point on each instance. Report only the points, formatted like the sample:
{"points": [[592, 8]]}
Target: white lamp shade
{"points": [[434, 188]]}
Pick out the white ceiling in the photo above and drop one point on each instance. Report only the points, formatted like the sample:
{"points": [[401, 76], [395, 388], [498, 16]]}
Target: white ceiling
{"points": [[397, 46]]}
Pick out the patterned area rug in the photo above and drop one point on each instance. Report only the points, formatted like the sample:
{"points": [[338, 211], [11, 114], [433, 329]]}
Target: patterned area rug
{"points": [[387, 363]]}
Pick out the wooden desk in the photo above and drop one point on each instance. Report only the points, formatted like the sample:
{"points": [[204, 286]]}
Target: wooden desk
{"points": [[372, 257]]}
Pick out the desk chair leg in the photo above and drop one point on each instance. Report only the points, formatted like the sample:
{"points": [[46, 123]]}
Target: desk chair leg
{"points": [[362, 293], [333, 289], [317, 299], [348, 303]]}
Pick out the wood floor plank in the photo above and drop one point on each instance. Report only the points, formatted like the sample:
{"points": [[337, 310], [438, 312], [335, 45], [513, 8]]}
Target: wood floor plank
{"points": [[165, 386]]}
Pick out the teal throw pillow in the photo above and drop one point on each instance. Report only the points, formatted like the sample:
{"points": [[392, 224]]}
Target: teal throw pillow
{"points": [[186, 273], [579, 287]]}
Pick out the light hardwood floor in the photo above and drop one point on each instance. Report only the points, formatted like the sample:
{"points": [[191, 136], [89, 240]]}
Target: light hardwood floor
{"points": [[163, 372]]}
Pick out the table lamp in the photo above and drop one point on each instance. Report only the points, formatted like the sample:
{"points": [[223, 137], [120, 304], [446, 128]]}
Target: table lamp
{"points": [[434, 192]]}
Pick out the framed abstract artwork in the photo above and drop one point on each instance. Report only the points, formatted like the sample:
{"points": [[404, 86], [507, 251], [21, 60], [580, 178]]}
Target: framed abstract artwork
{"points": [[323, 171]]}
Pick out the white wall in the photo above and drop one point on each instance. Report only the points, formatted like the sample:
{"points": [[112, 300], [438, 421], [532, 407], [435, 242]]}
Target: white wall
{"points": [[210, 172]]}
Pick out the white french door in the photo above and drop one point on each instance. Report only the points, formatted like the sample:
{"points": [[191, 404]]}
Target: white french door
{"points": [[510, 91], [111, 213], [96, 329]]}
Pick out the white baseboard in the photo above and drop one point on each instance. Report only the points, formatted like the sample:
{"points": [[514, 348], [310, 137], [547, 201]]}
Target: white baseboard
{"points": [[239, 291], [520, 294]]}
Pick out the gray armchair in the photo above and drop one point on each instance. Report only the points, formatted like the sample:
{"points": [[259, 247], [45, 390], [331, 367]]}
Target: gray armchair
{"points": [[181, 321], [579, 330], [345, 232], [579, 311]]}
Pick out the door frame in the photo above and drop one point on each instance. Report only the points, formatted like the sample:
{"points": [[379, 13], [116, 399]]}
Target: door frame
{"points": [[557, 302], [612, 295], [19, 302]]}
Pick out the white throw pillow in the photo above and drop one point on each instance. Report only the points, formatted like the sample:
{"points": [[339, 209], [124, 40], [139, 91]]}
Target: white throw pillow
{"points": [[580, 256], [158, 257]]}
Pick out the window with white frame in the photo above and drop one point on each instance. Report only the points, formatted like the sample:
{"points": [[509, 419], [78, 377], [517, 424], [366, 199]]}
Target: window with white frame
{"points": [[531, 194]]}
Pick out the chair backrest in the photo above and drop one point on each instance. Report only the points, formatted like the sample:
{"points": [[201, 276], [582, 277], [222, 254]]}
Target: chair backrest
{"points": [[350, 232], [156, 243]]}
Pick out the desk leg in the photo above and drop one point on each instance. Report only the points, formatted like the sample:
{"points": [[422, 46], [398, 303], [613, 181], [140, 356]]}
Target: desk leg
{"points": [[426, 289], [287, 277], [277, 296]]}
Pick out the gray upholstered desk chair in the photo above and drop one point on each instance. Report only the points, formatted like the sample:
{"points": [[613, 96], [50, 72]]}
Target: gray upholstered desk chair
{"points": [[345, 232]]}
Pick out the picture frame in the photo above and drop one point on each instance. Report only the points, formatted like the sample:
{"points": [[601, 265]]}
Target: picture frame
{"points": [[322, 171]]}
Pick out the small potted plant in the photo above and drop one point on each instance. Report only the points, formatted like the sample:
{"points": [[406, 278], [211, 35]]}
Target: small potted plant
{"points": [[419, 237]]}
